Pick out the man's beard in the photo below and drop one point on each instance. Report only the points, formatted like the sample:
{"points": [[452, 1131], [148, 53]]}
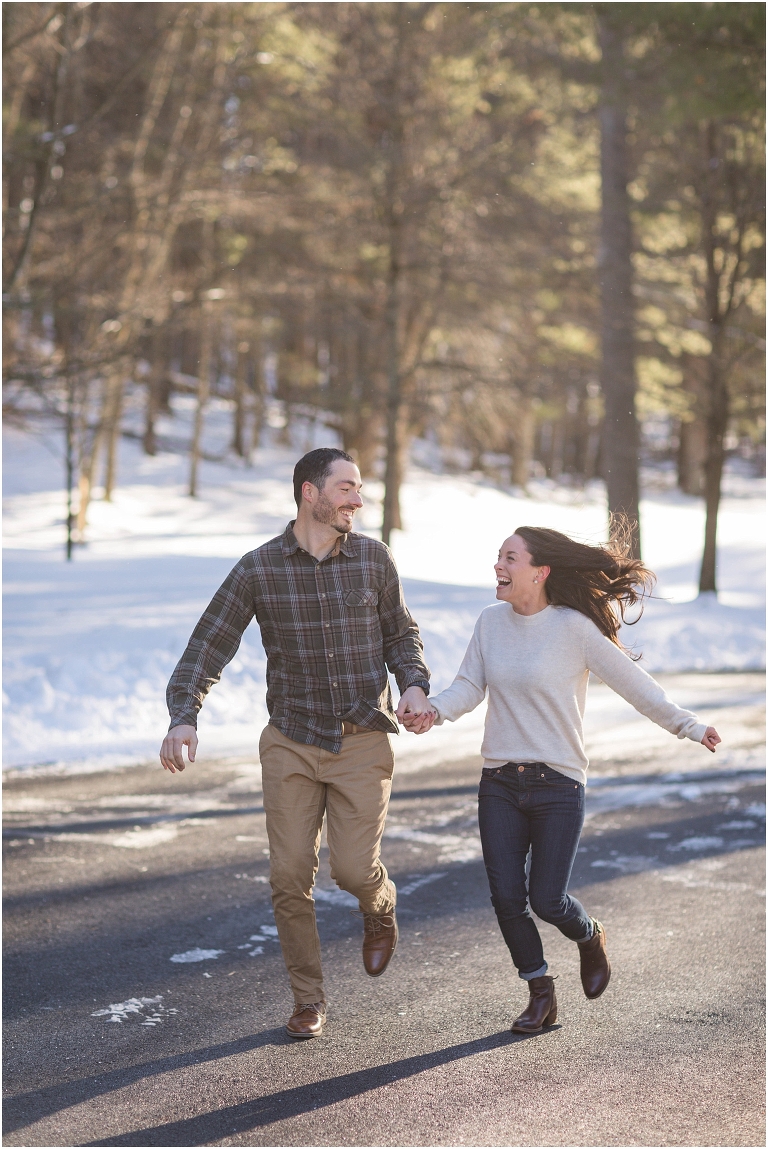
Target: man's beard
{"points": [[324, 512]]}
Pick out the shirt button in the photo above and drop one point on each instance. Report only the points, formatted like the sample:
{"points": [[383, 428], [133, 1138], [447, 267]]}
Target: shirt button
{"points": [[327, 624], [520, 769], [542, 775], [334, 684], [330, 654], [322, 596]]}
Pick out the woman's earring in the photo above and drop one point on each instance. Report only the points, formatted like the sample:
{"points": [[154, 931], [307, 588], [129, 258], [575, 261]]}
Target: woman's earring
{"points": [[535, 580]]}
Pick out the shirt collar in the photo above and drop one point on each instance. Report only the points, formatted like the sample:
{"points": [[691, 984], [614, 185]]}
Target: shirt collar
{"points": [[345, 543]]}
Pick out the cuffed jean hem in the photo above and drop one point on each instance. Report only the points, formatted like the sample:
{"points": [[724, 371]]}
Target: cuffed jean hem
{"points": [[536, 973]]}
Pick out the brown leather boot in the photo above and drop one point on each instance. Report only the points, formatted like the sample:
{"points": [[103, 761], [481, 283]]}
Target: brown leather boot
{"points": [[541, 1009], [307, 1020], [379, 941], [595, 967]]}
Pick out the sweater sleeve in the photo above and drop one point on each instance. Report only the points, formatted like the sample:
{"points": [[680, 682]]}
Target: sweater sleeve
{"points": [[468, 687], [618, 671]]}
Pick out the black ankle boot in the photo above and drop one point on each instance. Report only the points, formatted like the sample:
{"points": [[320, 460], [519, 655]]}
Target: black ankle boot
{"points": [[541, 1009]]}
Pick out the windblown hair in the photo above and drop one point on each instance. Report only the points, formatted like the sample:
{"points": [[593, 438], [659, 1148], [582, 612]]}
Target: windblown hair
{"points": [[315, 467], [599, 581]]}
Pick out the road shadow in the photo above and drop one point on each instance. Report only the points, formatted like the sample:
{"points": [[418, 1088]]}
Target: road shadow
{"points": [[288, 1103], [26, 1108], [115, 955], [41, 830]]}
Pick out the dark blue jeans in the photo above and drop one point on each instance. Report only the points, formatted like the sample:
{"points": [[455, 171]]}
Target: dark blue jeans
{"points": [[522, 807]]}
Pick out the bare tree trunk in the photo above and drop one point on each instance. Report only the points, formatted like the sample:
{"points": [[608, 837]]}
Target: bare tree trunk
{"points": [[692, 448], [155, 384], [238, 421], [716, 401], [112, 432], [257, 402], [391, 519], [69, 460], [717, 424], [361, 435], [523, 440], [621, 440], [691, 457], [203, 391], [557, 448], [89, 450]]}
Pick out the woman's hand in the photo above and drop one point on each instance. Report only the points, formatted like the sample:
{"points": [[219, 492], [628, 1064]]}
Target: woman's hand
{"points": [[420, 724], [711, 739]]}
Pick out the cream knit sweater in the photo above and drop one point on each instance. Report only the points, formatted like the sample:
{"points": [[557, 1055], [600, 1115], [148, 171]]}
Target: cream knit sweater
{"points": [[536, 668]]}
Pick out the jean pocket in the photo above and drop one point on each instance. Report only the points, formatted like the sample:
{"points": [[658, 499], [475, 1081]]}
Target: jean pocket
{"points": [[554, 778]]}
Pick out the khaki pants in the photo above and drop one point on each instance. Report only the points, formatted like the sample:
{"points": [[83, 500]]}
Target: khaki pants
{"points": [[302, 784]]}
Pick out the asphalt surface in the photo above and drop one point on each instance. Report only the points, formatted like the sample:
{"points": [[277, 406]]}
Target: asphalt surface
{"points": [[110, 1042]]}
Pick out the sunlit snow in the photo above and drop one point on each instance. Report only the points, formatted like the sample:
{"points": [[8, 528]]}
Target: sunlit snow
{"points": [[89, 645]]}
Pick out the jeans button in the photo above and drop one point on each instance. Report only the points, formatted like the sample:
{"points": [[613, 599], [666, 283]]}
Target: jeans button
{"points": [[520, 769]]}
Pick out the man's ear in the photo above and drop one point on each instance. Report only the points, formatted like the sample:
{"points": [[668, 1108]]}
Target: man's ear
{"points": [[308, 490]]}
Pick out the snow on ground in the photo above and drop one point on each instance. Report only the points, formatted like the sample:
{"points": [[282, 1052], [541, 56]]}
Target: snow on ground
{"points": [[89, 645]]}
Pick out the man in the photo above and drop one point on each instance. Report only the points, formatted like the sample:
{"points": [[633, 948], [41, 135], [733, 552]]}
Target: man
{"points": [[332, 617]]}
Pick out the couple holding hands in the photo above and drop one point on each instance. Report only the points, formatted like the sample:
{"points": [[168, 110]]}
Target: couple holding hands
{"points": [[333, 619]]}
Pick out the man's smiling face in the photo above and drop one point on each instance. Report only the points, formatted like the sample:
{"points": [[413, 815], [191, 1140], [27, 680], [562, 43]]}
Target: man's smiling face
{"points": [[338, 499]]}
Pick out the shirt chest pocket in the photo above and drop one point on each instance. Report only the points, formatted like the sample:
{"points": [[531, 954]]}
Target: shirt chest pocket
{"points": [[362, 597]]}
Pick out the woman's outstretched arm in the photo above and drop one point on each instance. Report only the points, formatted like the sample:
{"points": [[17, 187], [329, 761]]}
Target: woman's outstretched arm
{"points": [[468, 687], [618, 671]]}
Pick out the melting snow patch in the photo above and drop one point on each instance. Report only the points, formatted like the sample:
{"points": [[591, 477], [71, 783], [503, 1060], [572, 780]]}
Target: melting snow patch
{"points": [[148, 1009], [703, 843], [196, 955], [700, 874], [403, 891], [736, 825], [627, 864], [248, 878], [453, 847], [144, 839], [267, 933], [756, 809], [336, 897]]}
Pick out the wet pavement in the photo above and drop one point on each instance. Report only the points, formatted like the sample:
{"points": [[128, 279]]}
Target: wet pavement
{"points": [[145, 996]]}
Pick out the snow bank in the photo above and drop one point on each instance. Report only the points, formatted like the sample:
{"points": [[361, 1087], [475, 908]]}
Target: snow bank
{"points": [[89, 645]]}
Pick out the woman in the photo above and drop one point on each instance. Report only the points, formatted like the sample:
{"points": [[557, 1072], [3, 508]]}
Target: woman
{"points": [[557, 619]]}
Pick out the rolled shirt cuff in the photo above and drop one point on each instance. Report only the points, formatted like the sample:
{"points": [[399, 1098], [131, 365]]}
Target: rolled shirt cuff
{"points": [[184, 720], [420, 681]]}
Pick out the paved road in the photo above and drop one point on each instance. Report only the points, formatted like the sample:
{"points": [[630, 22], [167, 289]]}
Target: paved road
{"points": [[109, 1041]]}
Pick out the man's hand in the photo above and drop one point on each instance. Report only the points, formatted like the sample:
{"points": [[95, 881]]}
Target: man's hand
{"points": [[414, 711], [171, 754], [711, 739]]}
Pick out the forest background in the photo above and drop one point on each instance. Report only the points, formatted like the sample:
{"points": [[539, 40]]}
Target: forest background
{"points": [[530, 234]]}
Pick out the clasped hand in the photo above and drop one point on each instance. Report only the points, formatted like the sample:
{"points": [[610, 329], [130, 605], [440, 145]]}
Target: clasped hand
{"points": [[415, 712]]}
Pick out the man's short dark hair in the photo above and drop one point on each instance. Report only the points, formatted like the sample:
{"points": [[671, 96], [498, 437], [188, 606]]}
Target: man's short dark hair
{"points": [[315, 467]]}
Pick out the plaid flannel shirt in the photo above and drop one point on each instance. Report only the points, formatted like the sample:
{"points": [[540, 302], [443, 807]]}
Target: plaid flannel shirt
{"points": [[330, 629]]}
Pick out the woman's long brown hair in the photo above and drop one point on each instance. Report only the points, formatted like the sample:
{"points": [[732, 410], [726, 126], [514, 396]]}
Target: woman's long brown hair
{"points": [[599, 581]]}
